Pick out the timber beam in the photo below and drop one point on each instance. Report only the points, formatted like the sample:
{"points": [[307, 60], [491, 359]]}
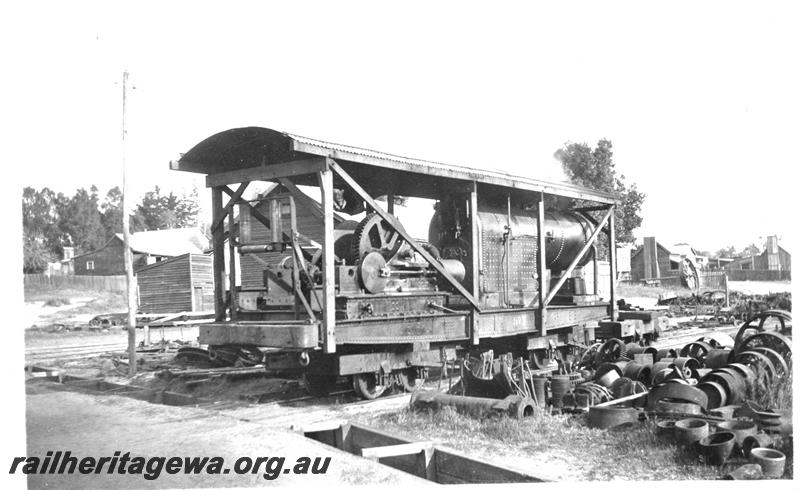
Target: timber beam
{"points": [[233, 198], [267, 172]]}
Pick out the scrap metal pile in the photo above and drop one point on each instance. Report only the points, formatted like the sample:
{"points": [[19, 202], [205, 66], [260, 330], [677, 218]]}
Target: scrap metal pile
{"points": [[715, 396], [740, 306]]}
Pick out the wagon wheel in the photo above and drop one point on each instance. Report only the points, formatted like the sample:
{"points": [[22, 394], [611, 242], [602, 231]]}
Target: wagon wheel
{"points": [[759, 362], [409, 380], [696, 350], [610, 351], [318, 384], [588, 355], [366, 386], [778, 362], [771, 340], [373, 234], [756, 324]]}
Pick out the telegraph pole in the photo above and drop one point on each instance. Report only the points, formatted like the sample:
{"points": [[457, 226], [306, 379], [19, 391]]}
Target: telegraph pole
{"points": [[126, 235]]}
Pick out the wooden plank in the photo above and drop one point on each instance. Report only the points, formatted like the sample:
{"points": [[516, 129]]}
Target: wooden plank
{"points": [[452, 467], [476, 258], [541, 260], [235, 197], [328, 269], [396, 226], [266, 172], [218, 245], [234, 302], [406, 449], [612, 259], [325, 425]]}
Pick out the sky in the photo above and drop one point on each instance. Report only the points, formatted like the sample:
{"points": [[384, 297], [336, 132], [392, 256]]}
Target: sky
{"points": [[700, 100]]}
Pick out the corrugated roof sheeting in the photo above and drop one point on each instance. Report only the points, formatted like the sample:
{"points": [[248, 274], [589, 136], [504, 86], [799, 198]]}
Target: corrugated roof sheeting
{"points": [[252, 146]]}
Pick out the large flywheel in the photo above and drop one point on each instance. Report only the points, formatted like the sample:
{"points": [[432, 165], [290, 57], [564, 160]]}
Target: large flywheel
{"points": [[373, 234]]}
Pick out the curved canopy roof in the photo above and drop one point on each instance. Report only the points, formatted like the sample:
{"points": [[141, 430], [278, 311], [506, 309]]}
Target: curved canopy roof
{"points": [[252, 147]]}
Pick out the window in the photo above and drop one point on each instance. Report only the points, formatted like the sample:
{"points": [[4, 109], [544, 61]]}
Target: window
{"points": [[90, 265], [674, 266]]}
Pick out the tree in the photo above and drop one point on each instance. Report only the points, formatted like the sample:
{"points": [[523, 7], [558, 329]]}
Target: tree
{"points": [[750, 250], [80, 220], [726, 252], [594, 168], [159, 211], [35, 255], [111, 213]]}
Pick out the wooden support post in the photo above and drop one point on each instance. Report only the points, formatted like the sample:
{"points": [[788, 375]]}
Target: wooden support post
{"points": [[328, 271], [727, 296], [541, 256], [232, 267], [218, 246], [390, 202], [475, 235], [612, 263], [128, 257], [233, 197], [595, 270]]}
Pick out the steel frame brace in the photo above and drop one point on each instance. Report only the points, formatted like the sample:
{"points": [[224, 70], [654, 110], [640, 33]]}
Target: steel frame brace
{"points": [[394, 224], [565, 275]]}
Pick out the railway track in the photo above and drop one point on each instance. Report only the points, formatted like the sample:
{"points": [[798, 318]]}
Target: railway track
{"points": [[71, 352]]}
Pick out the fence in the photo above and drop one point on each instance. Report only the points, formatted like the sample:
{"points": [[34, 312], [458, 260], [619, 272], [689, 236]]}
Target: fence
{"points": [[758, 275], [100, 283], [709, 280], [712, 280]]}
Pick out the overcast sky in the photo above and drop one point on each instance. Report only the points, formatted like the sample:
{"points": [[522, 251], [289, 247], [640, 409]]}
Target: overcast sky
{"points": [[700, 99]]}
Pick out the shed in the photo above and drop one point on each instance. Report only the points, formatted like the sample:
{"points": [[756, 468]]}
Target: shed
{"points": [[773, 258], [654, 260], [178, 284], [147, 247]]}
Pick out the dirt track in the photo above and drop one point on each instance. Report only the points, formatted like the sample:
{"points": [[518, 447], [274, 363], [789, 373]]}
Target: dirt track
{"points": [[90, 425]]}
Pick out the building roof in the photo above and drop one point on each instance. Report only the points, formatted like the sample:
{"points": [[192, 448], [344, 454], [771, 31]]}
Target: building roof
{"points": [[162, 263], [168, 243], [676, 252], [243, 148]]}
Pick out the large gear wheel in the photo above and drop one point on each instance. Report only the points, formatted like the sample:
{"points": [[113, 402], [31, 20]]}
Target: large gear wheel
{"points": [[374, 235]]}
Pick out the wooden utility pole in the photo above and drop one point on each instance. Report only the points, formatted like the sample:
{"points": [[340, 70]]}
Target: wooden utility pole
{"points": [[126, 236]]}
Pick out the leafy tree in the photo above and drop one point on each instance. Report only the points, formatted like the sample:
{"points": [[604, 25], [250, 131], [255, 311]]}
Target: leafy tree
{"points": [[159, 211], [40, 216], [750, 250], [594, 168], [35, 254], [726, 252], [80, 220], [111, 213]]}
